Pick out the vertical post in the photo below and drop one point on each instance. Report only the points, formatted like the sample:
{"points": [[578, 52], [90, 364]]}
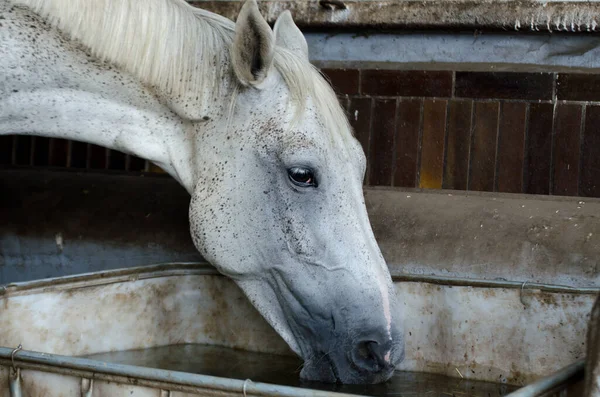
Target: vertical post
{"points": [[87, 387], [14, 379]]}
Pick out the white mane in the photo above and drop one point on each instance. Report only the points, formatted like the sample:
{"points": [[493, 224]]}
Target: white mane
{"points": [[177, 48], [162, 42]]}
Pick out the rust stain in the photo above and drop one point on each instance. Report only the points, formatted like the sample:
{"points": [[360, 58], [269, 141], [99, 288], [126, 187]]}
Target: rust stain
{"points": [[488, 293]]}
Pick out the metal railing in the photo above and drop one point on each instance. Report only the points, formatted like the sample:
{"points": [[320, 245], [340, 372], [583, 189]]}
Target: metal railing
{"points": [[556, 382], [159, 379]]}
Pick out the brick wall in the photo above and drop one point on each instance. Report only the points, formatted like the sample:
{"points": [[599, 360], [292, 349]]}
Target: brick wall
{"points": [[536, 133]]}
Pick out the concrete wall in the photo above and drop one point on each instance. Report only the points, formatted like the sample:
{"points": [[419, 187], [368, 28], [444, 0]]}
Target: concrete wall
{"points": [[61, 223], [488, 236]]}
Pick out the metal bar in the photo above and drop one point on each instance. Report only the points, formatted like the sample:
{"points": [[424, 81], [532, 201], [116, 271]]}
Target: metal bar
{"points": [[480, 283], [114, 276], [87, 387], [204, 268], [550, 382], [14, 382], [27, 359], [119, 379]]}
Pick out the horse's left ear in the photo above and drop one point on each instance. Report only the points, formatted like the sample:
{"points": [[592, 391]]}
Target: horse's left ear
{"points": [[253, 46], [287, 35]]}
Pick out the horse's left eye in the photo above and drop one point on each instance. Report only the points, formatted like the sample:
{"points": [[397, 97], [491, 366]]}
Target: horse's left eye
{"points": [[303, 177]]}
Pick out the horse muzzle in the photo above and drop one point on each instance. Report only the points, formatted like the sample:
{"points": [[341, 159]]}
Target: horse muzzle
{"points": [[366, 360]]}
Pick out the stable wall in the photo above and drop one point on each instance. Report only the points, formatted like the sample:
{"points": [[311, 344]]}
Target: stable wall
{"points": [[61, 223], [465, 100]]}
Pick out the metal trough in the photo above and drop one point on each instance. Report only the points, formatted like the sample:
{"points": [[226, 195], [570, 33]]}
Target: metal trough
{"points": [[56, 375], [56, 320], [473, 330]]}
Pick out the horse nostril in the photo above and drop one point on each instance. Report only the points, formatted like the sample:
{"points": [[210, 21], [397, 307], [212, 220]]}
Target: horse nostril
{"points": [[364, 350], [370, 356]]}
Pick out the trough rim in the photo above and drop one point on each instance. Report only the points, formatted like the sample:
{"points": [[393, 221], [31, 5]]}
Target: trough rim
{"points": [[174, 269], [151, 377]]}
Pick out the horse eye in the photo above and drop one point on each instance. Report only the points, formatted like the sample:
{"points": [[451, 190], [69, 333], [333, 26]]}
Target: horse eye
{"points": [[303, 177]]}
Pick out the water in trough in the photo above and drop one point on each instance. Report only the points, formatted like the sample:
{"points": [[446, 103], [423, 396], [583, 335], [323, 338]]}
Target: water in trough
{"points": [[284, 370]]}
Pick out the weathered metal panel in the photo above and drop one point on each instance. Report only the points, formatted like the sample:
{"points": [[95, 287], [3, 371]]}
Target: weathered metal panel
{"points": [[495, 334], [144, 308], [44, 384], [515, 15], [123, 390], [508, 334]]}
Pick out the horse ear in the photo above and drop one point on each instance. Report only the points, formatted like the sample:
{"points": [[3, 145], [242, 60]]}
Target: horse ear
{"points": [[253, 46], [288, 36]]}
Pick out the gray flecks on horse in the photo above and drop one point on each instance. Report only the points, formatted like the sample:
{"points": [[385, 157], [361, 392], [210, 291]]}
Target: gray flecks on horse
{"points": [[236, 113]]}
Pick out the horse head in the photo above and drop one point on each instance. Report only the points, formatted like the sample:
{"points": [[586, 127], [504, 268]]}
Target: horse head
{"points": [[279, 208]]}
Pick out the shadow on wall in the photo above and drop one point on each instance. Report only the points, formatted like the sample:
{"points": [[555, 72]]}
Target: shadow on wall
{"points": [[62, 223]]}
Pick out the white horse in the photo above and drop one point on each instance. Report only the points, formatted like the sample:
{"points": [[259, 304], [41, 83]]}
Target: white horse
{"points": [[236, 113]]}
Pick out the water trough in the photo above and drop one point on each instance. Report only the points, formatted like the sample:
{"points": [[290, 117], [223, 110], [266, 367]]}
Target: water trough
{"points": [[170, 319]]}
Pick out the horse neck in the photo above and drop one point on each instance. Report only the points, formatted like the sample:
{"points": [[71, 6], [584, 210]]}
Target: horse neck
{"points": [[86, 100]]}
